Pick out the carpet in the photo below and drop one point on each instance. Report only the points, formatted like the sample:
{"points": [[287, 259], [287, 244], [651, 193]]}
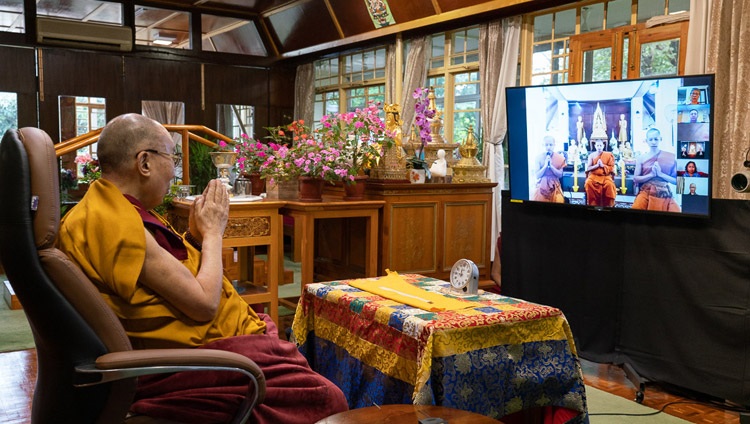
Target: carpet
{"points": [[15, 333], [606, 408]]}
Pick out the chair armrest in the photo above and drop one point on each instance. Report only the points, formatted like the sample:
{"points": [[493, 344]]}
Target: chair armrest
{"points": [[129, 364]]}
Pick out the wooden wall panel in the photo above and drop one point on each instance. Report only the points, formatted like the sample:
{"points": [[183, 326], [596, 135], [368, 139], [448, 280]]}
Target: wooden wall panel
{"points": [[18, 75], [77, 73], [164, 80]]}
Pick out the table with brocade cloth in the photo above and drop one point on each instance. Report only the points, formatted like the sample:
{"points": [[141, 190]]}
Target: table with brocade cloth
{"points": [[500, 356]]}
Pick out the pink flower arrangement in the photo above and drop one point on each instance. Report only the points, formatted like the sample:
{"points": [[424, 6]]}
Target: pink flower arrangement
{"points": [[359, 136], [251, 154], [90, 170]]}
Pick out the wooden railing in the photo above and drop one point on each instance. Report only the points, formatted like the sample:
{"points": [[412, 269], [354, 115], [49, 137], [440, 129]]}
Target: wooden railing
{"points": [[188, 132]]}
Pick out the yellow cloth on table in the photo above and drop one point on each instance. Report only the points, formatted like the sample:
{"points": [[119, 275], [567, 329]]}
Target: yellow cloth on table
{"points": [[394, 287]]}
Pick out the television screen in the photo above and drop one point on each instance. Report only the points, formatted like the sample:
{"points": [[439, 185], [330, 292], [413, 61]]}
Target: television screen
{"points": [[616, 145]]}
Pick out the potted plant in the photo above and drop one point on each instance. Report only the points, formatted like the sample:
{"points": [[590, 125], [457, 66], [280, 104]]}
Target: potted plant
{"points": [[418, 168], [360, 135], [251, 154]]}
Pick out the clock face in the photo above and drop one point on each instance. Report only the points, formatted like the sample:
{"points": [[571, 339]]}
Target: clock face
{"points": [[461, 273]]}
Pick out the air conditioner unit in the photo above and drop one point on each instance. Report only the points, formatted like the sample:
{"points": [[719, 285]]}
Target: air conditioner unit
{"points": [[85, 35]]}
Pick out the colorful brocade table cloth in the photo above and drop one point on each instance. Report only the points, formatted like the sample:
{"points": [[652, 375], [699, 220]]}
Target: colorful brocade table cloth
{"points": [[498, 357]]}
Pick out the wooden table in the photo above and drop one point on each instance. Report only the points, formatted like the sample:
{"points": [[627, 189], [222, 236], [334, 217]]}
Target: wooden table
{"points": [[250, 224], [395, 414], [305, 214]]}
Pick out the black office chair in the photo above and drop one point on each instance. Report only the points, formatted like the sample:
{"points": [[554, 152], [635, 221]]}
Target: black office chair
{"points": [[87, 368]]}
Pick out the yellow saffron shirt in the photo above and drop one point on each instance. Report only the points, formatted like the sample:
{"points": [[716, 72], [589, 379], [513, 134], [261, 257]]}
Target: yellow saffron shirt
{"points": [[104, 235]]}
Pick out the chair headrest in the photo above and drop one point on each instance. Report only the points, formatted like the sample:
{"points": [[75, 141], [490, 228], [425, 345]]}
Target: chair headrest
{"points": [[45, 184]]}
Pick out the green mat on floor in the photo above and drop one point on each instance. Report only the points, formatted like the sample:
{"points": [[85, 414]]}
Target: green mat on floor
{"points": [[606, 408], [15, 333]]}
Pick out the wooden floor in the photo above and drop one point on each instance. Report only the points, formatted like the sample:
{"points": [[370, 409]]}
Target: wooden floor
{"points": [[18, 375]]}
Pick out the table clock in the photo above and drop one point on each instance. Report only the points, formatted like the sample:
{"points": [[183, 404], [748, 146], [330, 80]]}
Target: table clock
{"points": [[465, 277]]}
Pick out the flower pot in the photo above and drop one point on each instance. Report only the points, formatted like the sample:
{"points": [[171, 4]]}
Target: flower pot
{"points": [[355, 190], [417, 176], [286, 189], [258, 184], [310, 189]]}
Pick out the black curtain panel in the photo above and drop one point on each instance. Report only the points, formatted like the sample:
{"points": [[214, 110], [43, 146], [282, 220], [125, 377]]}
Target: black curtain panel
{"points": [[670, 295]]}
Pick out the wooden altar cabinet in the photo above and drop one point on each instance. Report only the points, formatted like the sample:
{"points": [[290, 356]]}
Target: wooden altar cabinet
{"points": [[250, 224], [426, 228]]}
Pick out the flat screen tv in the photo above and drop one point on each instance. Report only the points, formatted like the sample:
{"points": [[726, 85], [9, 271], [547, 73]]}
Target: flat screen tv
{"points": [[637, 145]]}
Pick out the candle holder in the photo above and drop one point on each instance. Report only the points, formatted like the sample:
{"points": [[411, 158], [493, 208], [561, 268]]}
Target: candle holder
{"points": [[224, 162]]}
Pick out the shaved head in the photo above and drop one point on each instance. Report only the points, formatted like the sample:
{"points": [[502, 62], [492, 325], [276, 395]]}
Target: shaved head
{"points": [[124, 136]]}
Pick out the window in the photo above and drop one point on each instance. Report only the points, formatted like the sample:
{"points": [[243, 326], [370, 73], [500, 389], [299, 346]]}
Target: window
{"points": [[221, 34], [456, 86], [608, 39], [12, 17], [235, 120], [349, 81], [170, 34], [8, 110]]}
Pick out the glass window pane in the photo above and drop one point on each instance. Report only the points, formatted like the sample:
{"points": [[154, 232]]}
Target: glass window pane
{"points": [[540, 79], [8, 110], [625, 56], [473, 57], [438, 46], [543, 28], [596, 64], [12, 17], [461, 123], [561, 47], [457, 60], [618, 13], [231, 35], [660, 58], [679, 6], [541, 60], [565, 23], [472, 39], [380, 58], [459, 42], [368, 60], [592, 18], [171, 31], [650, 8]]}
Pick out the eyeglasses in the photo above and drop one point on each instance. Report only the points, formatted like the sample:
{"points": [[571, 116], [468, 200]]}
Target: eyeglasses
{"points": [[175, 158]]}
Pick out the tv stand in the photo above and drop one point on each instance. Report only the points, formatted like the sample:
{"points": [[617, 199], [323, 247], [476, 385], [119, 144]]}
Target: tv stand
{"points": [[638, 381]]}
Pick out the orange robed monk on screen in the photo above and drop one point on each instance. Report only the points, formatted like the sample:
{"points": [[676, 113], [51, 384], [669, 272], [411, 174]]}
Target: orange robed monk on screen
{"points": [[600, 186], [549, 170]]}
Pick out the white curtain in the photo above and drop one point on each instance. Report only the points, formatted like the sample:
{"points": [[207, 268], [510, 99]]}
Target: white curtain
{"points": [[728, 53], [390, 73], [697, 38], [304, 93], [415, 76], [498, 60], [167, 113]]}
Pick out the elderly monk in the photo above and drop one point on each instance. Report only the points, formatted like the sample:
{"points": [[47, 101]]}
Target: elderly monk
{"points": [[549, 170], [599, 186], [654, 171], [168, 289]]}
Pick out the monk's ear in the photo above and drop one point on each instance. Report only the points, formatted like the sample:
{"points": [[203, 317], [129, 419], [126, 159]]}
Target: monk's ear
{"points": [[142, 163]]}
